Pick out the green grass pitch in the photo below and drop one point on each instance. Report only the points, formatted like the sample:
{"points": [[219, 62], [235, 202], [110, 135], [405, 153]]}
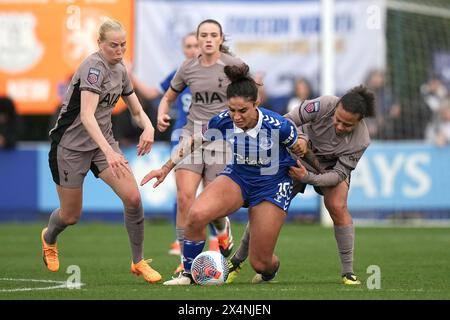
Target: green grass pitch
{"points": [[414, 264]]}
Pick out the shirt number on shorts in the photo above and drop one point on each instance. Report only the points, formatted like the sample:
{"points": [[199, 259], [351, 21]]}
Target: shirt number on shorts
{"points": [[284, 191]]}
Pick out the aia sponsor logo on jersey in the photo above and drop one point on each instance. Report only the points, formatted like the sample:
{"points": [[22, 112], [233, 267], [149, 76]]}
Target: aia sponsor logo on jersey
{"points": [[93, 75], [312, 107], [207, 98], [110, 100]]}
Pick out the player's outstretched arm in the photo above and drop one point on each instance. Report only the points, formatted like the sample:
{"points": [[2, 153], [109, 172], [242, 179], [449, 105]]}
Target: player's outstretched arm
{"points": [[159, 174], [184, 148]]}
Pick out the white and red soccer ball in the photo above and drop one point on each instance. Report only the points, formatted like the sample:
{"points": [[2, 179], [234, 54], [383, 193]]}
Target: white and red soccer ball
{"points": [[209, 268]]}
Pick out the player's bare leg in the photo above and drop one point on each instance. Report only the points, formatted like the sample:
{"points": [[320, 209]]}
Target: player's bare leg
{"points": [[266, 221]]}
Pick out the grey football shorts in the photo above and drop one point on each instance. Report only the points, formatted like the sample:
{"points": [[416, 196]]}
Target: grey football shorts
{"points": [[205, 162], [69, 167]]}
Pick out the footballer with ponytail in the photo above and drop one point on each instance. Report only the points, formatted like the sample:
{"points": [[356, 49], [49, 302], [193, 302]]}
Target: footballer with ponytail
{"points": [[262, 141]]}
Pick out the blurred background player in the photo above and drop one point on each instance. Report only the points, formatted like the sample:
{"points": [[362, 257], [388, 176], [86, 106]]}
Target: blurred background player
{"points": [[182, 105], [335, 131], [10, 124], [207, 81], [302, 91], [258, 177], [82, 140]]}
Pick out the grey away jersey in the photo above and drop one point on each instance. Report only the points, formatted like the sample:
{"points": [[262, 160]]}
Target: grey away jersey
{"points": [[340, 154], [208, 86], [109, 82]]}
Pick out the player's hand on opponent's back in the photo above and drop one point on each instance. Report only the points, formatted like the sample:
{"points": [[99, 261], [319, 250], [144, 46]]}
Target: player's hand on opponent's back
{"points": [[118, 164], [163, 122], [298, 173], [300, 147], [159, 174], [145, 141]]}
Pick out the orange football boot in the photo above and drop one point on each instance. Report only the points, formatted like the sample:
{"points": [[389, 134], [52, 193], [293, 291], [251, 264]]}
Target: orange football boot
{"points": [[49, 254], [142, 268]]}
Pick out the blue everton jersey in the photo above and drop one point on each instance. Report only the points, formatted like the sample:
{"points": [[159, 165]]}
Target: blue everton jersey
{"points": [[260, 153], [182, 103]]}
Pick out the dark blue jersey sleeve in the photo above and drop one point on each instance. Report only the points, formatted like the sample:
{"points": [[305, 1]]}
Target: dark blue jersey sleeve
{"points": [[288, 133], [216, 128]]}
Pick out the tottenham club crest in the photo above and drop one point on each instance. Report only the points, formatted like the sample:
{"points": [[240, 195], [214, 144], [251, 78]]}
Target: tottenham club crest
{"points": [[265, 143]]}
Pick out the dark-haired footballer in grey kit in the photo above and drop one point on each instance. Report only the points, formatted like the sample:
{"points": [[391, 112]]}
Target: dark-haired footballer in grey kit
{"points": [[335, 131], [82, 140]]}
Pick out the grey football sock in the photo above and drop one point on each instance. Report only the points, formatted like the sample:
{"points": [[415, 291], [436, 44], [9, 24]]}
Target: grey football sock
{"points": [[242, 252], [134, 222], [55, 227], [345, 236]]}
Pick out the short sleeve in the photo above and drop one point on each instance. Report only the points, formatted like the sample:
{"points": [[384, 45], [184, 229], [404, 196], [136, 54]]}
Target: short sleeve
{"points": [[288, 133], [92, 76], [216, 127], [312, 110], [178, 83]]}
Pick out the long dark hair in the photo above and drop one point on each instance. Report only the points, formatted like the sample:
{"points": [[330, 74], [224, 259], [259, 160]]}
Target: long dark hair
{"points": [[222, 48], [359, 100], [242, 84]]}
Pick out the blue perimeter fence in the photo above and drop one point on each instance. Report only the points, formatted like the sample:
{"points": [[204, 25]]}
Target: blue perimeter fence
{"points": [[393, 181]]}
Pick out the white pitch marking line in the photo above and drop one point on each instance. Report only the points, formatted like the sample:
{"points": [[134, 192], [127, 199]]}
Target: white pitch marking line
{"points": [[61, 285]]}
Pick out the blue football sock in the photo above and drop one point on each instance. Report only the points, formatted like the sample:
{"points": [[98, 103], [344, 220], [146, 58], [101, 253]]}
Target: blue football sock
{"points": [[191, 250], [212, 230]]}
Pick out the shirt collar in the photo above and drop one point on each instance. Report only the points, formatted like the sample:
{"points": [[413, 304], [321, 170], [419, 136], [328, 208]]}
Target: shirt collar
{"points": [[253, 132]]}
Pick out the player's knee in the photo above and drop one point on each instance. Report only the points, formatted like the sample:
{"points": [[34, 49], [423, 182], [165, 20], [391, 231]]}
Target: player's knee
{"points": [[71, 218], [197, 218], [184, 201], [336, 209], [339, 214], [132, 200]]}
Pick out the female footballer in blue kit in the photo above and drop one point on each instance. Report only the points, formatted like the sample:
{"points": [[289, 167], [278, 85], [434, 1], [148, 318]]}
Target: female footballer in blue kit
{"points": [[181, 105], [257, 178]]}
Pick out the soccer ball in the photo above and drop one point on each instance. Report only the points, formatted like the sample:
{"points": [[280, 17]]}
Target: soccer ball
{"points": [[209, 268]]}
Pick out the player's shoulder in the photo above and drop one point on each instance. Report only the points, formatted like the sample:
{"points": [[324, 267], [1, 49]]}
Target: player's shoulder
{"points": [[272, 119], [323, 104], [189, 63], [221, 119], [94, 60], [229, 60]]}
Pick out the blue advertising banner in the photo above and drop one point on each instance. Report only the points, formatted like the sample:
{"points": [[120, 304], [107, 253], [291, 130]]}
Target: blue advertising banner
{"points": [[406, 176], [18, 180], [98, 197], [390, 177]]}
